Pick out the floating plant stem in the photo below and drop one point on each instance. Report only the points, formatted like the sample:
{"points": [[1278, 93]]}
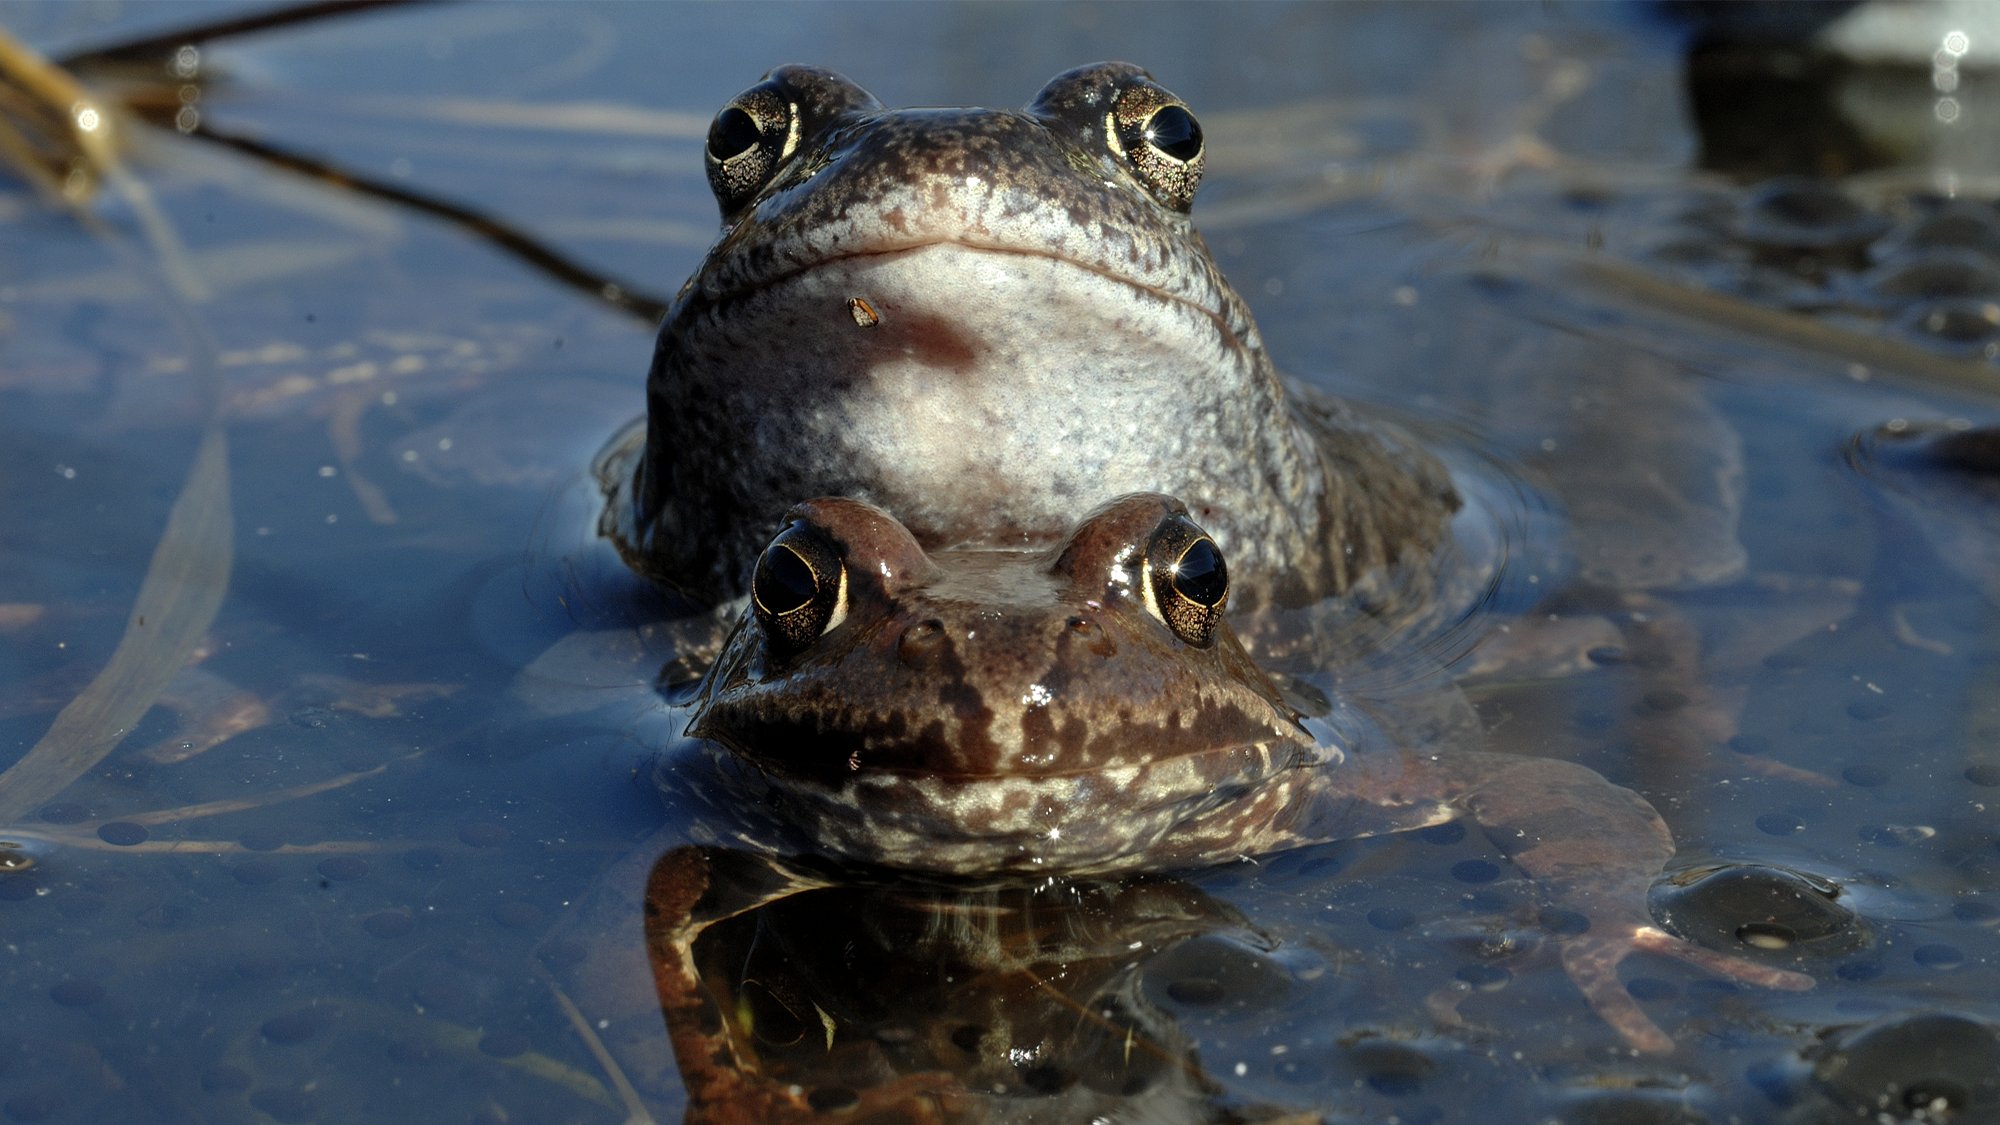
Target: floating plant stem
{"points": [[189, 572]]}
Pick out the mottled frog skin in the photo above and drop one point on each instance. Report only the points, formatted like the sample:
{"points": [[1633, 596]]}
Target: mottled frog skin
{"points": [[989, 322]]}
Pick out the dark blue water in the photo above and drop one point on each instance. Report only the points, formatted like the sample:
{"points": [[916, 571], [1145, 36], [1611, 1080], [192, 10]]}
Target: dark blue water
{"points": [[377, 904]]}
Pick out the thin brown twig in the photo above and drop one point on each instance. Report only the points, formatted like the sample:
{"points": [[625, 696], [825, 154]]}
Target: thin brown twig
{"points": [[161, 46], [500, 233]]}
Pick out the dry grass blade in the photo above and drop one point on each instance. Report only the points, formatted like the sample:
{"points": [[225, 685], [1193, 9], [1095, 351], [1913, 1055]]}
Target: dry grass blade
{"points": [[90, 842], [189, 572], [155, 74], [51, 131], [178, 600], [217, 808], [156, 49], [635, 1109]]}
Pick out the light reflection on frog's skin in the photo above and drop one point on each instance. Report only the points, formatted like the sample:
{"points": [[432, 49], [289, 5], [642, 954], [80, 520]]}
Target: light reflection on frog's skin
{"points": [[1087, 708]]}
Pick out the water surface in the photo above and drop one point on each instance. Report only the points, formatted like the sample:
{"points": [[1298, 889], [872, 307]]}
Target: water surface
{"points": [[1490, 216]]}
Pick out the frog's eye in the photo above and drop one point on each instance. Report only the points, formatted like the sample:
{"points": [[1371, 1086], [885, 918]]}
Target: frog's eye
{"points": [[747, 143], [1160, 140], [800, 589], [1174, 131], [1187, 582]]}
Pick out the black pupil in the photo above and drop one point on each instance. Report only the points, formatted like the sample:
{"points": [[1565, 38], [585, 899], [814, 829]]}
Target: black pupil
{"points": [[784, 582], [733, 134], [1201, 578], [1171, 129]]}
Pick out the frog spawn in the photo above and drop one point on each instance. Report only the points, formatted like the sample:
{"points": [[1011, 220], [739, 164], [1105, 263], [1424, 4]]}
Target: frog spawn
{"points": [[1943, 477], [72, 881], [1919, 1067], [65, 865], [1914, 266], [1760, 912]]}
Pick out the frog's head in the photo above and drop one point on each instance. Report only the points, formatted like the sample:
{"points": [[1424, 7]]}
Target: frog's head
{"points": [[1099, 170], [1067, 708]]}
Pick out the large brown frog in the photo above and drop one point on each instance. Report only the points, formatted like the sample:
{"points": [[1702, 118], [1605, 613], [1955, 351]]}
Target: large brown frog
{"points": [[1086, 708], [989, 322]]}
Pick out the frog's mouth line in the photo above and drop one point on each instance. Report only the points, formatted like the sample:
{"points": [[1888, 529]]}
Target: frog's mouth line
{"points": [[692, 305], [1000, 823], [1270, 752]]}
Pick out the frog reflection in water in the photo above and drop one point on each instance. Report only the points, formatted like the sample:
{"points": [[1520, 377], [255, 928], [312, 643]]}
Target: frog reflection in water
{"points": [[990, 324]]}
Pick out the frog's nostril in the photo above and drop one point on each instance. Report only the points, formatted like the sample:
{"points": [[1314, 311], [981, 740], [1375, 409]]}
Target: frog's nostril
{"points": [[1089, 634], [920, 640]]}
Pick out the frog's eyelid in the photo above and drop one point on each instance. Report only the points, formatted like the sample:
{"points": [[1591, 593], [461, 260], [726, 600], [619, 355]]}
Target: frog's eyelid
{"points": [[839, 613], [1146, 591]]}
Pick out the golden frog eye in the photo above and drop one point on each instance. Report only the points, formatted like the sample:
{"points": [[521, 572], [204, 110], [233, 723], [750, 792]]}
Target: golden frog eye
{"points": [[1160, 140], [1187, 582], [800, 589], [747, 143]]}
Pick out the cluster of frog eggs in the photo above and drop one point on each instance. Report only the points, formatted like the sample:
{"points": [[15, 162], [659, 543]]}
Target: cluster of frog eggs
{"points": [[1904, 1066], [1920, 267], [1907, 1066]]}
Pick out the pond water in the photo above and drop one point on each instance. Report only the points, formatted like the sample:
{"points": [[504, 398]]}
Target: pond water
{"points": [[381, 853]]}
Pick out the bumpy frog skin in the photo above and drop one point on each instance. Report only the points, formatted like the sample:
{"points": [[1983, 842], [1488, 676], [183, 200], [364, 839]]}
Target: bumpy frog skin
{"points": [[989, 322], [1087, 708]]}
